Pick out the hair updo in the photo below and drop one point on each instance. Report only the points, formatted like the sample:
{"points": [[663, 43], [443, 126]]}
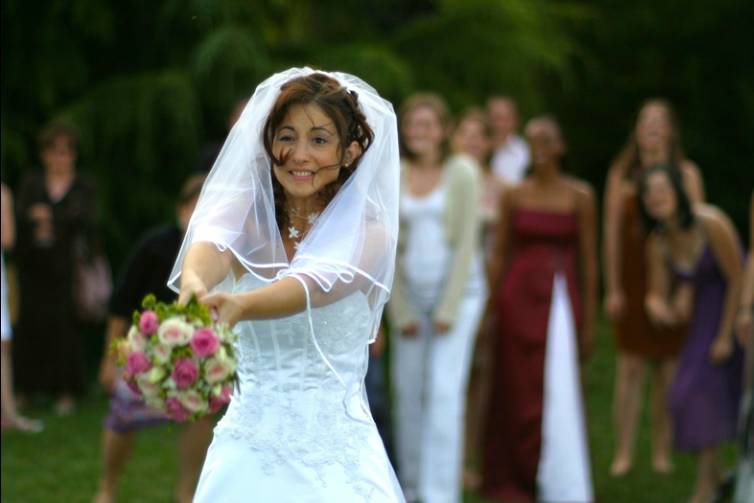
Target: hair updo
{"points": [[340, 105]]}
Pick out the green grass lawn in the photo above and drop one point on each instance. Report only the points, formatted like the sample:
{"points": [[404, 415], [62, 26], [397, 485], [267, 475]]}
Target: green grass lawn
{"points": [[62, 463]]}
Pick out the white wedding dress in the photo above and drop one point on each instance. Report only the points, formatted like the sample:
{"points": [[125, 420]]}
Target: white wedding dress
{"points": [[298, 428]]}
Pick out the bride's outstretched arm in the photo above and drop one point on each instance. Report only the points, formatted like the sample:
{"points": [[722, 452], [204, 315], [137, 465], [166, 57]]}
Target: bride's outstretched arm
{"points": [[288, 295], [280, 298], [204, 267]]}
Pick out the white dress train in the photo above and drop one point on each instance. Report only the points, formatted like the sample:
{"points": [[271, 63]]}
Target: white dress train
{"points": [[564, 472]]}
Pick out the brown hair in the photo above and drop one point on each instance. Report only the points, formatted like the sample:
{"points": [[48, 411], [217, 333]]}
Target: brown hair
{"points": [[54, 131], [476, 114], [340, 105], [191, 188], [435, 103], [628, 159]]}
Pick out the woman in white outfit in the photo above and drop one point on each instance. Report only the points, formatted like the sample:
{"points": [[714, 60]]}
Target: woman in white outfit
{"points": [[438, 297], [11, 418], [294, 236]]}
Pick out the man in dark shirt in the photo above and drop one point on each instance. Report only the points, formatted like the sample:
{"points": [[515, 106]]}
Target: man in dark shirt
{"points": [[146, 272]]}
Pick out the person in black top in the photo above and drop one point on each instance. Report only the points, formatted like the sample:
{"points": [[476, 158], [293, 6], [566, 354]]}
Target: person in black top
{"points": [[146, 271]]}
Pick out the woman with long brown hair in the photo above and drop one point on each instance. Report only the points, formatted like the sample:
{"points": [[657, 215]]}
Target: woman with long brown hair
{"points": [[654, 139], [295, 233], [438, 297]]}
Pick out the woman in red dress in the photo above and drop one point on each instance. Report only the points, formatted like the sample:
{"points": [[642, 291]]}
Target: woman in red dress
{"points": [[655, 140], [540, 319]]}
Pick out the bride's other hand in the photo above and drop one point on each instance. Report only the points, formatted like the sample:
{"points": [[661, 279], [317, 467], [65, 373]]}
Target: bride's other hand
{"points": [[191, 284], [223, 307], [441, 327], [410, 330]]}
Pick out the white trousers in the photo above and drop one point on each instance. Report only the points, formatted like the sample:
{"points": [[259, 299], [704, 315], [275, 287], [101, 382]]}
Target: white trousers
{"points": [[430, 373]]}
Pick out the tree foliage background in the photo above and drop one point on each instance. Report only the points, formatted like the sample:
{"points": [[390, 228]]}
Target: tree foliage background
{"points": [[148, 83]]}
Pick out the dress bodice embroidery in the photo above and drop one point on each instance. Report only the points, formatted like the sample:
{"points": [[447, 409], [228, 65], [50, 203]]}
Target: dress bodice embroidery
{"points": [[289, 402]]}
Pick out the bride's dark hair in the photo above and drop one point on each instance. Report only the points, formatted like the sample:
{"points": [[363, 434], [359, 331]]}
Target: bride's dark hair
{"points": [[340, 105]]}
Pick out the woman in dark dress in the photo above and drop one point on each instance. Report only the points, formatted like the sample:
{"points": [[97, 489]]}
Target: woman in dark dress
{"points": [[539, 319], [695, 249], [640, 346], [55, 214]]}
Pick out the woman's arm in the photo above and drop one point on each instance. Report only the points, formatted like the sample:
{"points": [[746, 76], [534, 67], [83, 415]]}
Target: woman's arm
{"points": [[8, 223], [725, 246], [745, 319], [658, 276], [611, 245], [587, 265], [693, 181], [204, 267], [463, 195], [497, 261]]}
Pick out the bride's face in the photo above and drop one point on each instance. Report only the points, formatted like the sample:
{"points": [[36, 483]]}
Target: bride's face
{"points": [[307, 142]]}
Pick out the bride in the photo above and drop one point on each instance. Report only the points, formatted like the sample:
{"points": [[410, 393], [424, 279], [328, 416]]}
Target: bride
{"points": [[293, 241]]}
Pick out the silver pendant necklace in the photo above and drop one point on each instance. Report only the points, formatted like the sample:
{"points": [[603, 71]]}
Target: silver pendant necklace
{"points": [[294, 233]]}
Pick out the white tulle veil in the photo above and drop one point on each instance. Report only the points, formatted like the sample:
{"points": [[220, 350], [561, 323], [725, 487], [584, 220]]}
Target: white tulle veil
{"points": [[352, 244]]}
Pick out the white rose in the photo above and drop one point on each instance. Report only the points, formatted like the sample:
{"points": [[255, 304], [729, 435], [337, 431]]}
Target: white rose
{"points": [[148, 388], [156, 374], [175, 332], [136, 341], [155, 402], [193, 401], [162, 353], [217, 370]]}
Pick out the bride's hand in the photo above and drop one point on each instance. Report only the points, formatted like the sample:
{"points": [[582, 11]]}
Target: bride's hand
{"points": [[223, 307], [191, 284]]}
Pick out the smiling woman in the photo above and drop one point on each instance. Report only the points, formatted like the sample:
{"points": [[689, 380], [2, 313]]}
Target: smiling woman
{"points": [[314, 135], [295, 234]]}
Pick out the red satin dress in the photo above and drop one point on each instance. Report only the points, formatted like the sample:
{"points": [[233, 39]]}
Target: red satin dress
{"points": [[543, 243]]}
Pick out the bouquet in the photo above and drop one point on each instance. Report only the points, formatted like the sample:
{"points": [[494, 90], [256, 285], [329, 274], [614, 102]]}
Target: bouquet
{"points": [[177, 360]]}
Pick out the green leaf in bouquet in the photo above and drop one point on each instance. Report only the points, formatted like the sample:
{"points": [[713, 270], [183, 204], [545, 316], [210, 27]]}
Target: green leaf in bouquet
{"points": [[182, 352], [197, 311], [163, 311], [149, 302], [136, 318]]}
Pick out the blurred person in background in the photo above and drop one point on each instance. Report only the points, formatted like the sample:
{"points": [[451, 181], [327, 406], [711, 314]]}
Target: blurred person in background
{"points": [[654, 139], [56, 211], [540, 318], [744, 491], [510, 156], [209, 151], [695, 249], [146, 272], [11, 417], [436, 303], [473, 136]]}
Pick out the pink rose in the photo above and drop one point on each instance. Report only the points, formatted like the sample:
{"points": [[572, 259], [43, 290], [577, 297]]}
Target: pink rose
{"points": [[137, 362], [217, 402], [149, 323], [204, 342], [175, 410], [185, 373]]}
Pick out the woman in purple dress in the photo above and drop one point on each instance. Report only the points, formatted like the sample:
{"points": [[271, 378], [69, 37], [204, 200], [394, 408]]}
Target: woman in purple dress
{"points": [[695, 267]]}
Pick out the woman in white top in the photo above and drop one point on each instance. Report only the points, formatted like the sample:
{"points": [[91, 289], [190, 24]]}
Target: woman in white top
{"points": [[295, 230], [438, 296], [11, 417]]}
